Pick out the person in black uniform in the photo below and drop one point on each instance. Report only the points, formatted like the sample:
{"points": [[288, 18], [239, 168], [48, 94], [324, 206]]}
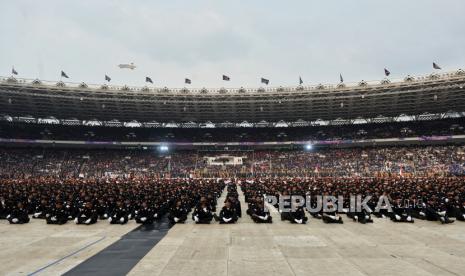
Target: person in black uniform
{"points": [[120, 214], [145, 214], [228, 214], [178, 214], [435, 211], [87, 215], [259, 214], [40, 210], [18, 215], [400, 213], [202, 213], [57, 215], [331, 216]]}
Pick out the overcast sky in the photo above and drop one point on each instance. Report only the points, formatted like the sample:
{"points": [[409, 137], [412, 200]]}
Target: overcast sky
{"points": [[245, 39]]}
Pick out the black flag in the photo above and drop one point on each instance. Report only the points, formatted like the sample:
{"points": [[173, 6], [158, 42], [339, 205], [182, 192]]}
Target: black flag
{"points": [[63, 74], [341, 78], [226, 78], [13, 71], [265, 81], [300, 80], [107, 78], [187, 81], [387, 72], [435, 66], [148, 79]]}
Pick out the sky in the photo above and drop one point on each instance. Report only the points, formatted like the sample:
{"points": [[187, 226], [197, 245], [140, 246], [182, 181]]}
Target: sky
{"points": [[170, 40]]}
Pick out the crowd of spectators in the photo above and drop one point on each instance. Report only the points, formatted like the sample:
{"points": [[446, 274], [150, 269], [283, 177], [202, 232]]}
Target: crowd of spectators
{"points": [[418, 161]]}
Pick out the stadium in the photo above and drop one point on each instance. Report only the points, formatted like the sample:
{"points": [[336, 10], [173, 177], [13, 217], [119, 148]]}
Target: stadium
{"points": [[356, 178]]}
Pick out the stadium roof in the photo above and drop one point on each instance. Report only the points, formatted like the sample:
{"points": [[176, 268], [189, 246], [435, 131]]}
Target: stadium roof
{"points": [[411, 96]]}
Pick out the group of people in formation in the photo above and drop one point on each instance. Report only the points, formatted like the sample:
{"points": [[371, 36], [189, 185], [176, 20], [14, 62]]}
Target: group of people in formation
{"points": [[423, 200], [146, 200], [204, 212]]}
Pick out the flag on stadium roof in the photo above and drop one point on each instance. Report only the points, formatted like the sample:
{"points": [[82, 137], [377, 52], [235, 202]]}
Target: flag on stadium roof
{"points": [[63, 74], [107, 78], [341, 78], [265, 81], [187, 81], [226, 78], [436, 66], [300, 80], [13, 71], [386, 72], [148, 79]]}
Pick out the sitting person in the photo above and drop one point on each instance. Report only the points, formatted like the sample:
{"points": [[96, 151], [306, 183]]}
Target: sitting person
{"points": [[40, 210], [330, 216], [259, 214], [202, 213], [144, 214], [87, 215], [120, 214], [435, 211], [178, 214], [400, 213], [228, 214], [18, 215], [57, 215]]}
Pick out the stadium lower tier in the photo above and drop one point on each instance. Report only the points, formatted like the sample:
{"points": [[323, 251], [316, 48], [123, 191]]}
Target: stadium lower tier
{"points": [[412, 161]]}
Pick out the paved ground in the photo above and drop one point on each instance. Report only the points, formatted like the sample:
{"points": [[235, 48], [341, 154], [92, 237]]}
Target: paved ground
{"points": [[381, 248]]}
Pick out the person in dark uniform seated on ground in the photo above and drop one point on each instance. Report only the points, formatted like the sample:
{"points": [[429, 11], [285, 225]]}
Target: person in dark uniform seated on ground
{"points": [[228, 214], [18, 215], [57, 215], [363, 216], [120, 214], [202, 213], [401, 213], [436, 211], [331, 216], [178, 214], [259, 214], [144, 214], [460, 211], [40, 211], [87, 215], [295, 215]]}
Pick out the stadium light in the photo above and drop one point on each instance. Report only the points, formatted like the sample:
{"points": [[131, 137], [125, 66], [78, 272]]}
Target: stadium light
{"points": [[163, 148], [308, 147]]}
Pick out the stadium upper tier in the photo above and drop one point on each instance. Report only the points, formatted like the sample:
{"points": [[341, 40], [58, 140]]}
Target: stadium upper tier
{"points": [[433, 94]]}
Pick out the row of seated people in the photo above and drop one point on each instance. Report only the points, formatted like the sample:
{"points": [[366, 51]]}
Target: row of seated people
{"points": [[87, 202], [439, 202]]}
